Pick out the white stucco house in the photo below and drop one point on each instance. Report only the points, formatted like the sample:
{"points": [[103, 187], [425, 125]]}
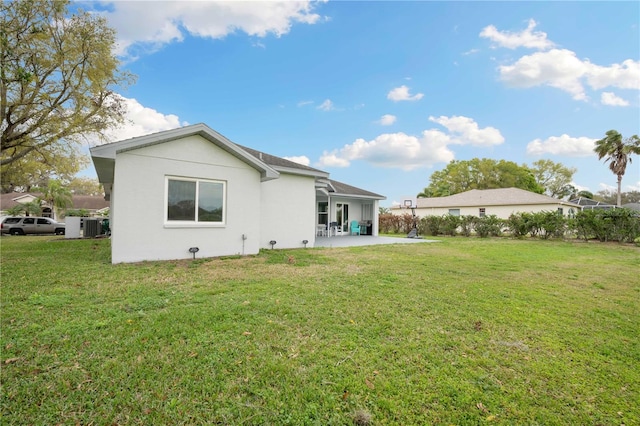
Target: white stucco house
{"points": [[192, 187], [501, 202]]}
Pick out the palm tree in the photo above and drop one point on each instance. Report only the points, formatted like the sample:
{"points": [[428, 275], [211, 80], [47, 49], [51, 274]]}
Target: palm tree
{"points": [[56, 195], [617, 151], [426, 193], [30, 208]]}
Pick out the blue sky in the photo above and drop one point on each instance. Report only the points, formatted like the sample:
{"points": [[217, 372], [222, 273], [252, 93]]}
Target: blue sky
{"points": [[382, 94]]}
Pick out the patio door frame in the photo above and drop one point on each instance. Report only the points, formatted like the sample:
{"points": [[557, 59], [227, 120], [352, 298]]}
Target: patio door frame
{"points": [[342, 210]]}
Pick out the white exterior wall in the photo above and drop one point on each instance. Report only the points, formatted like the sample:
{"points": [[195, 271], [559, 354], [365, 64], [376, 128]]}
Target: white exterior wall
{"points": [[139, 231], [288, 211], [502, 212]]}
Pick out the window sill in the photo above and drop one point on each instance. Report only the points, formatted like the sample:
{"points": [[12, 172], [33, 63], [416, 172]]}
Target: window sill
{"points": [[194, 225]]}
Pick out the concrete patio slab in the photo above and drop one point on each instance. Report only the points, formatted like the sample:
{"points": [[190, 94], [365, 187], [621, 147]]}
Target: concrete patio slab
{"points": [[365, 240]]}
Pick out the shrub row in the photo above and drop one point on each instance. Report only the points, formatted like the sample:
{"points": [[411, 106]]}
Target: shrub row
{"points": [[621, 225], [441, 225]]}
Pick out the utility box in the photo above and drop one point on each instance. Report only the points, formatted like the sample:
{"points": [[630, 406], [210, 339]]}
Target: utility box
{"points": [[91, 228], [72, 227]]}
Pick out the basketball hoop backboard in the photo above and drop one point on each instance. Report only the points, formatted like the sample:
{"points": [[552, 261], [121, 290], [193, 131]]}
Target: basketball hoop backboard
{"points": [[409, 202]]}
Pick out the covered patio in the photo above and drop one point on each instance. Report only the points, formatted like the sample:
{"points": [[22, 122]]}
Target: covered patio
{"points": [[342, 209]]}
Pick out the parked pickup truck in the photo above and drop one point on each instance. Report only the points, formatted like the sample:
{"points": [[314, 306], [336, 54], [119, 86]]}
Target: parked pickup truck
{"points": [[31, 225]]}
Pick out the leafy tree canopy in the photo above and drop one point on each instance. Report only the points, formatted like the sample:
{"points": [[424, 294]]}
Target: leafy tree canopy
{"points": [[461, 176], [85, 186], [35, 169], [555, 178], [580, 194], [58, 75], [611, 197], [32, 208]]}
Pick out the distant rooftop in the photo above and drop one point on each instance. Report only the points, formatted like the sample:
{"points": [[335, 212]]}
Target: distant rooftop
{"points": [[490, 197]]}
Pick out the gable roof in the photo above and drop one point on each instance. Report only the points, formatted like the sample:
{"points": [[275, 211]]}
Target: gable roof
{"points": [[90, 202], [11, 199], [104, 155], [491, 197], [283, 165], [342, 189]]}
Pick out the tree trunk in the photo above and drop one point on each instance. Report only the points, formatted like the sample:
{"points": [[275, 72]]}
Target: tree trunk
{"points": [[619, 201]]}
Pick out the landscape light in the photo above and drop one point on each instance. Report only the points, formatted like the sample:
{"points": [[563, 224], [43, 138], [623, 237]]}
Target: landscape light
{"points": [[194, 250]]}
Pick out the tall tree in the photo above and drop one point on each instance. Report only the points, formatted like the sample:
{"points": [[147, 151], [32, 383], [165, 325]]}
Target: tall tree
{"points": [[617, 151], [464, 175], [555, 178], [58, 74], [85, 186], [56, 195], [582, 194]]}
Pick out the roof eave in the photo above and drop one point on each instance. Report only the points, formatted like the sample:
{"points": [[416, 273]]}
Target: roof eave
{"points": [[359, 196], [302, 172], [109, 151]]}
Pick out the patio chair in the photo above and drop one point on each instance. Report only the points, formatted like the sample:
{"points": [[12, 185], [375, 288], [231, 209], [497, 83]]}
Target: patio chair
{"points": [[355, 227]]}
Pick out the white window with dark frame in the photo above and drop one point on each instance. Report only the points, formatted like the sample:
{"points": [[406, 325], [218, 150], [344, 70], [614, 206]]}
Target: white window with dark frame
{"points": [[482, 212], [195, 201], [323, 213]]}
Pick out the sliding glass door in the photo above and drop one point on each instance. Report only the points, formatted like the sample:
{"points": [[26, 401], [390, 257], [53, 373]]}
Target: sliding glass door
{"points": [[342, 217]]}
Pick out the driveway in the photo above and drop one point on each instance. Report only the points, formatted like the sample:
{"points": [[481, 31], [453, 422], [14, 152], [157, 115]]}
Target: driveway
{"points": [[365, 240]]}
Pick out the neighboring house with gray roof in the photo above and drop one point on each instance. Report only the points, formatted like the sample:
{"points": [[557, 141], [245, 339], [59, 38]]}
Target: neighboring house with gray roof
{"points": [[192, 187], [501, 202], [94, 205]]}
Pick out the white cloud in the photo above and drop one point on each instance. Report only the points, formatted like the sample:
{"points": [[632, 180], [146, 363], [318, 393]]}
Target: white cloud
{"points": [[525, 38], [387, 120], [408, 152], [139, 121], [578, 187], [394, 150], [152, 25], [304, 103], [562, 145], [556, 68], [402, 94], [562, 69], [331, 159], [327, 105], [607, 187], [468, 132], [635, 187], [301, 159], [609, 98], [625, 76]]}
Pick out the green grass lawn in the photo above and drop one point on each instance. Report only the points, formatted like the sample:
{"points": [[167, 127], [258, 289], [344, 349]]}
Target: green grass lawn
{"points": [[463, 331]]}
